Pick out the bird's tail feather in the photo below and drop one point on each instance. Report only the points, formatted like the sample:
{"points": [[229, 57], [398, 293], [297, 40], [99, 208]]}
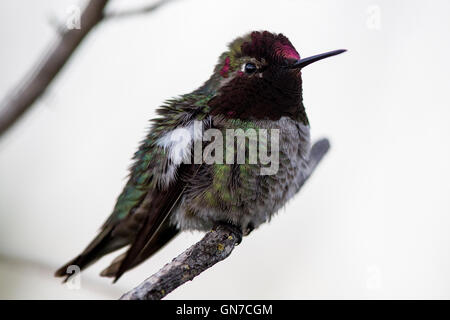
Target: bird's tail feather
{"points": [[101, 245], [163, 236]]}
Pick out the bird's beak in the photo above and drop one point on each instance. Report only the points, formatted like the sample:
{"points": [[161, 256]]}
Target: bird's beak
{"points": [[305, 61]]}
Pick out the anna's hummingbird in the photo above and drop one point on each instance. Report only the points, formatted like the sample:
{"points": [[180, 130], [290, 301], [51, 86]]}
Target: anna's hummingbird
{"points": [[256, 84]]}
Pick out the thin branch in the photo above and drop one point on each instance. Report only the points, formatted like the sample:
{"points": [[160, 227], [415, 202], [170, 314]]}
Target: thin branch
{"points": [[318, 151], [34, 84], [15, 104], [215, 246], [136, 11]]}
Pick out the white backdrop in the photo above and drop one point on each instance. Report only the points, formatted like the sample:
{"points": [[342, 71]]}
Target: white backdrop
{"points": [[371, 223]]}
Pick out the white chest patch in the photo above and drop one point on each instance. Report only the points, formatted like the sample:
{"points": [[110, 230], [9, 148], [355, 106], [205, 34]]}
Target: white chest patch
{"points": [[178, 145]]}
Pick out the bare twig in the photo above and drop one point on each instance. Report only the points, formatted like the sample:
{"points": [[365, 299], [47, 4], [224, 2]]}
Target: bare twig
{"points": [[28, 266], [318, 151], [215, 246], [15, 104], [136, 11], [34, 85]]}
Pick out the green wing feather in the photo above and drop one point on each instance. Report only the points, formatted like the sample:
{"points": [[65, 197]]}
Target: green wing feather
{"points": [[150, 161]]}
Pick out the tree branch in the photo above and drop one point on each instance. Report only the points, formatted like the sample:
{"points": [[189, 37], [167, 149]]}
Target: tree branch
{"points": [[30, 89], [34, 84], [215, 246], [136, 11]]}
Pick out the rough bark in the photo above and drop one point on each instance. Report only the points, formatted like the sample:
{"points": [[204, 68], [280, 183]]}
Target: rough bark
{"points": [[215, 246]]}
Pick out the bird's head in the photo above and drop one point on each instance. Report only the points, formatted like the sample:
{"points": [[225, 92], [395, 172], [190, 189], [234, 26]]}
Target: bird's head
{"points": [[259, 77]]}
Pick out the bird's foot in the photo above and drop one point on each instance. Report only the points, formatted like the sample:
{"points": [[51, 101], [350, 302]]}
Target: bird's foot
{"points": [[249, 229], [233, 229]]}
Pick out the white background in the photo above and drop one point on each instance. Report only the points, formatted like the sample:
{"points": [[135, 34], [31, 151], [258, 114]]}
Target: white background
{"points": [[373, 221]]}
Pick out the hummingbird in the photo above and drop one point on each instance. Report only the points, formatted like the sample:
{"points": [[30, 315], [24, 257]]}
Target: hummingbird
{"points": [[256, 84]]}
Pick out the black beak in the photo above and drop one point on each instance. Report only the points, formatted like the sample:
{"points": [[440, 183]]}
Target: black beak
{"points": [[305, 61]]}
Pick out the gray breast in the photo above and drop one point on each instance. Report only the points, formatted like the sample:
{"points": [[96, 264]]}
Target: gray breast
{"points": [[275, 190], [265, 194]]}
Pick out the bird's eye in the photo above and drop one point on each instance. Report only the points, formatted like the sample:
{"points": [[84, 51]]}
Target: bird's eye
{"points": [[250, 68]]}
